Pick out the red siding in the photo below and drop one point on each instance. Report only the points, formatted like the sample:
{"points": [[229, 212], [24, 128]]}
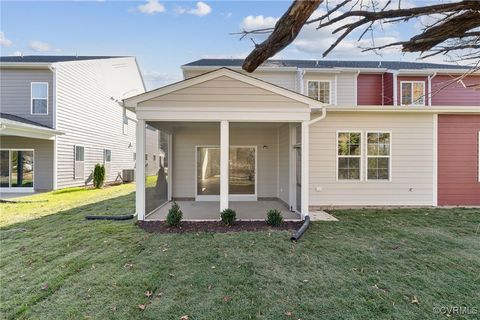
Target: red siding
{"points": [[388, 89], [369, 90], [458, 160], [455, 94], [411, 78]]}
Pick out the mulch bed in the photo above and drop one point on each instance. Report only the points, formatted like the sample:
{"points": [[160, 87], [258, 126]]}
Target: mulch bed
{"points": [[215, 226]]}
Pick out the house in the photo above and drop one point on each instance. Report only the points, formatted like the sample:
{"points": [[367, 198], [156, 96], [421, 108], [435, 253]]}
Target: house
{"points": [[300, 134], [60, 115]]}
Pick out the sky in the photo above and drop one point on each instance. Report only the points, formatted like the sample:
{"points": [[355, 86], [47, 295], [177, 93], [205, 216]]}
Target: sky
{"points": [[164, 35]]}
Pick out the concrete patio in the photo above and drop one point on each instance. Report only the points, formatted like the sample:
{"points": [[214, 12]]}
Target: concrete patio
{"points": [[209, 210]]}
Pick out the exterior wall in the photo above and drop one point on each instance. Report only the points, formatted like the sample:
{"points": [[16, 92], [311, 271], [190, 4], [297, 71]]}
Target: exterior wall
{"points": [[411, 78], [186, 138], [412, 177], [369, 89], [15, 93], [445, 93], [42, 158], [282, 79], [152, 147], [458, 160], [346, 89], [387, 89], [89, 116], [284, 163]]}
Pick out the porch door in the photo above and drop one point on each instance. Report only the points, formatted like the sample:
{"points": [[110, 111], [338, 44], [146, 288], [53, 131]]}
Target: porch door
{"points": [[16, 170], [242, 173]]}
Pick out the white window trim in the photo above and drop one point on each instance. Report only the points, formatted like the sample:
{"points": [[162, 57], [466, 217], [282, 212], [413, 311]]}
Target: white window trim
{"points": [[105, 155], [75, 161], [125, 125], [329, 86], [413, 103], [31, 99], [359, 156], [378, 156], [18, 189]]}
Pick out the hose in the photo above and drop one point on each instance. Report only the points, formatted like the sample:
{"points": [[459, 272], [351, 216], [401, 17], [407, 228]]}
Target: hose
{"points": [[299, 233], [117, 218]]}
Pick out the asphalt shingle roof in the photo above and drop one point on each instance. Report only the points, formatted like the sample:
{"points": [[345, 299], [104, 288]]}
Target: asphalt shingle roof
{"points": [[12, 117], [394, 65], [51, 59]]}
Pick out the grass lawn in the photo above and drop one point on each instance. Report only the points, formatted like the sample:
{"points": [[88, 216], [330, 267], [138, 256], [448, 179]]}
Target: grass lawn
{"points": [[372, 264]]}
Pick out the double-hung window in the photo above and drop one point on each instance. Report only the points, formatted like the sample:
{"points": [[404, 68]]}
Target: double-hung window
{"points": [[349, 155], [412, 93], [378, 155], [39, 98], [107, 159], [319, 90], [79, 162]]}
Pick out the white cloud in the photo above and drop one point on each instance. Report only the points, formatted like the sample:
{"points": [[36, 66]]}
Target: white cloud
{"points": [[257, 22], [4, 42], [201, 9], [16, 53], [40, 46], [151, 7]]}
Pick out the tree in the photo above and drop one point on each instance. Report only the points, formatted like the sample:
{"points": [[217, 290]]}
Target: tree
{"points": [[452, 28]]}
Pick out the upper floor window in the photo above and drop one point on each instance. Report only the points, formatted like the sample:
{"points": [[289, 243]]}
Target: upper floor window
{"points": [[319, 90], [413, 93], [39, 94]]}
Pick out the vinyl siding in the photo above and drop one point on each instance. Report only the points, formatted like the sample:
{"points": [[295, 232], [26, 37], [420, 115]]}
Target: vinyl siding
{"points": [[90, 118], [446, 93], [283, 79], [42, 158], [283, 163], [186, 138], [346, 89], [412, 161], [458, 160], [15, 93], [388, 89], [369, 89]]}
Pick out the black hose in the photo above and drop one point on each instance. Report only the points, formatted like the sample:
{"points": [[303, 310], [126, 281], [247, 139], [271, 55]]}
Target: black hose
{"points": [[21, 201], [299, 233], [117, 218]]}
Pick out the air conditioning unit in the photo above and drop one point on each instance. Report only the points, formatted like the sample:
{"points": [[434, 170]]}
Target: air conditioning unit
{"points": [[128, 175]]}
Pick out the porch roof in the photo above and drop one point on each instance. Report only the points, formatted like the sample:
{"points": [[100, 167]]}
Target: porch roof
{"points": [[222, 94], [11, 125]]}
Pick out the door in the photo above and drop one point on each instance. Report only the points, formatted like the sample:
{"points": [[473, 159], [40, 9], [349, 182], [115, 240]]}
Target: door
{"points": [[242, 173], [16, 170]]}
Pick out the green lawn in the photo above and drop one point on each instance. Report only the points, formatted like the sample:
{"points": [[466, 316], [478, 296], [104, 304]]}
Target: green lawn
{"points": [[371, 264]]}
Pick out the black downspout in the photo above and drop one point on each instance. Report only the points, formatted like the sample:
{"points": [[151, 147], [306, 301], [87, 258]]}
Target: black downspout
{"points": [[299, 233], [117, 218]]}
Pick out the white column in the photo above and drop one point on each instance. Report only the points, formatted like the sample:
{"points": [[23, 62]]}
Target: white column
{"points": [[170, 165], [140, 171], [305, 168], [224, 152]]}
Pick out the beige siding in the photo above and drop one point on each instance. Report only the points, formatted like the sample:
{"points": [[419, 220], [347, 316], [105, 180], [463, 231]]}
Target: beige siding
{"points": [[90, 118], [346, 89], [186, 138], [42, 158], [283, 162], [283, 79], [412, 161], [15, 93]]}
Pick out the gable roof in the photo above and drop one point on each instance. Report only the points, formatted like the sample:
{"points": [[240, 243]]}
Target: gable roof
{"points": [[322, 64], [132, 101], [51, 59]]}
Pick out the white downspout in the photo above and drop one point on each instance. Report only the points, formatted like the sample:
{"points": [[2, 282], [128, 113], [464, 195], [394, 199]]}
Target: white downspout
{"points": [[324, 114], [430, 88], [395, 86], [356, 87]]}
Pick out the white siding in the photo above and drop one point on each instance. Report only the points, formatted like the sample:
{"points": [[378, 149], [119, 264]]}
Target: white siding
{"points": [[15, 93], [346, 89], [412, 159], [186, 138], [89, 116]]}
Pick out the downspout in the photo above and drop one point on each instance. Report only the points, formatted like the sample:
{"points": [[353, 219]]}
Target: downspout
{"points": [[430, 77], [306, 223], [356, 87], [395, 86]]}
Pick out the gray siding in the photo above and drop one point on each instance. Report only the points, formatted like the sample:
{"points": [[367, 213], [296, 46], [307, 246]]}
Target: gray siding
{"points": [[15, 93], [42, 158], [90, 118]]}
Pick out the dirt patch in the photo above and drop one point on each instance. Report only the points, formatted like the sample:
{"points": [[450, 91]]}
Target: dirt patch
{"points": [[215, 226]]}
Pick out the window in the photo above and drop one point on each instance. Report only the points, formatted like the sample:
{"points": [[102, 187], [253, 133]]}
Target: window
{"points": [[319, 90], [413, 93], [154, 157], [378, 155], [39, 97], [349, 155], [125, 121], [108, 155], [79, 162], [146, 157]]}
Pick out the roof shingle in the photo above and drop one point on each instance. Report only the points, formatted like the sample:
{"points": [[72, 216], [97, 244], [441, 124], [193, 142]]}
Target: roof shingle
{"points": [[51, 59]]}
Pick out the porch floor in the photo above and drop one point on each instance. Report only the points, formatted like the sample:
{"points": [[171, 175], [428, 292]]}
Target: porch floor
{"points": [[209, 210]]}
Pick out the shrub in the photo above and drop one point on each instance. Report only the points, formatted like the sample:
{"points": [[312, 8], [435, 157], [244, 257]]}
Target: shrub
{"points": [[174, 216], [274, 218], [228, 216], [98, 175]]}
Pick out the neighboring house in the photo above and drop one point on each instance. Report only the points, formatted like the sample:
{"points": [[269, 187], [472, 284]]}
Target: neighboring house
{"points": [[60, 115], [316, 134]]}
